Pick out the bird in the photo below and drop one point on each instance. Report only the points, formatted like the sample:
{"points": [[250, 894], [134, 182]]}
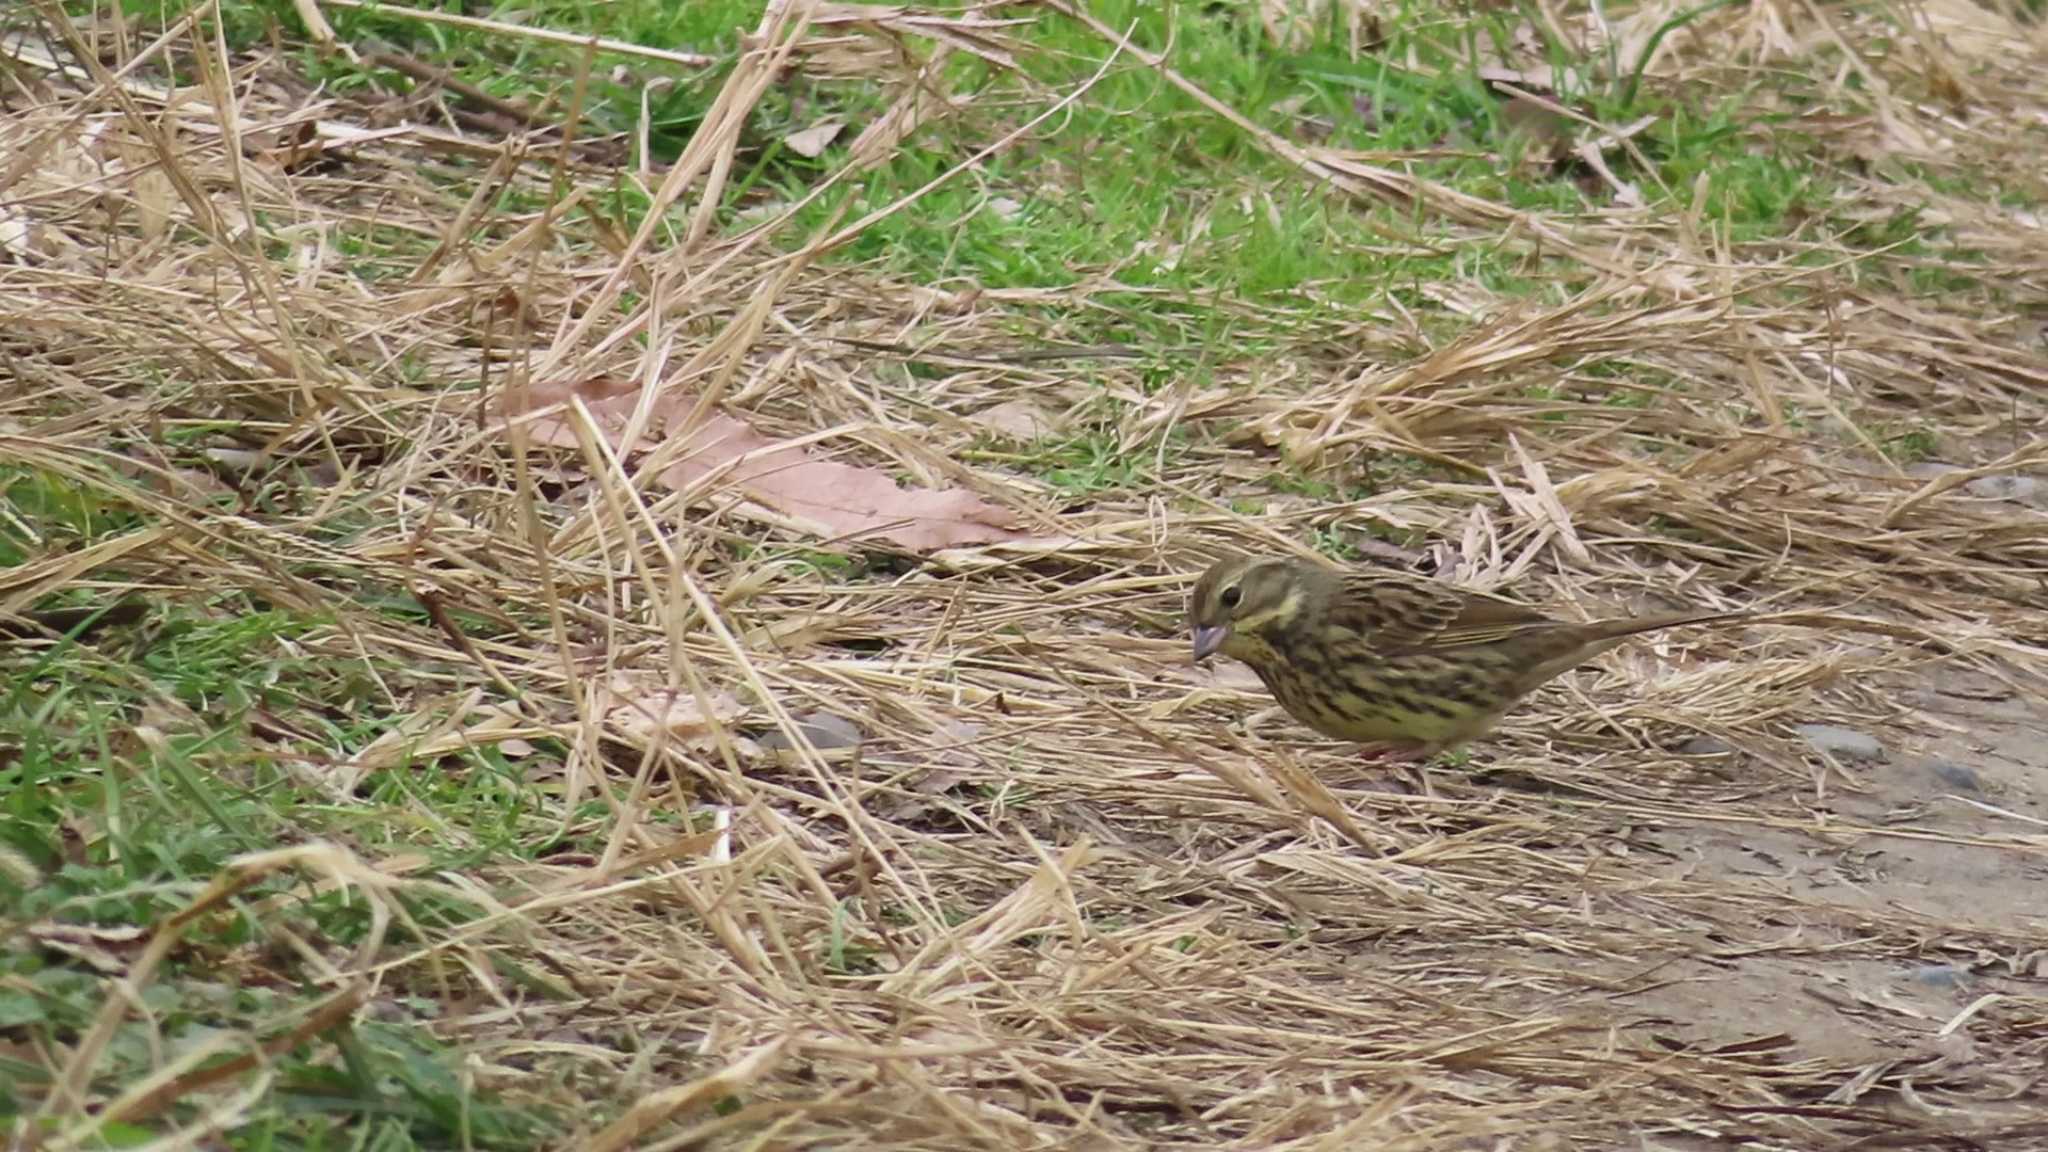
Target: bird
{"points": [[1407, 666]]}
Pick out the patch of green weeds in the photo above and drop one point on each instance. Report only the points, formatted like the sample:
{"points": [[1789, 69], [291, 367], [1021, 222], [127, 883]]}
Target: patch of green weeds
{"points": [[1332, 542], [1752, 187], [41, 511], [1903, 229], [1087, 464], [845, 956], [1385, 470], [374, 251], [1232, 223], [244, 23], [1619, 383], [1296, 484], [131, 774], [1911, 445], [1093, 194], [1950, 272], [827, 563]]}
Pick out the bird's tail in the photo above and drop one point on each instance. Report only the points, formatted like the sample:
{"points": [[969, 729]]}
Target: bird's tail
{"points": [[1582, 642], [1631, 625]]}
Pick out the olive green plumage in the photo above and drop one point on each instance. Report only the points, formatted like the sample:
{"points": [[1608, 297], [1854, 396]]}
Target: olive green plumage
{"points": [[1384, 658]]}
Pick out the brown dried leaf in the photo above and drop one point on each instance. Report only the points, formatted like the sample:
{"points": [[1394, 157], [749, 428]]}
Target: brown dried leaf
{"points": [[1972, 31], [645, 710], [609, 398], [1022, 419], [17, 240], [106, 950], [829, 498], [811, 142], [1291, 24], [974, 33], [838, 500]]}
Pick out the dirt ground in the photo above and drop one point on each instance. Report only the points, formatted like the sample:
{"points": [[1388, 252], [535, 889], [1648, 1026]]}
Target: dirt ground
{"points": [[1944, 835]]}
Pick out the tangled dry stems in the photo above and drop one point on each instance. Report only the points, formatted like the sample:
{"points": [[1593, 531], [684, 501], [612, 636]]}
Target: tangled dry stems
{"points": [[1056, 899]]}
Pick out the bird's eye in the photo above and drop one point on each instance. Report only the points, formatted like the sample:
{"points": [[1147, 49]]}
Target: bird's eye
{"points": [[1232, 595]]}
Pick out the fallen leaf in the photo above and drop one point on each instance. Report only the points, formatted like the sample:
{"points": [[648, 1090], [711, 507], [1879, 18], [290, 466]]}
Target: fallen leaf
{"points": [[15, 238], [952, 743], [645, 711], [238, 462], [810, 143], [838, 500], [1290, 27], [826, 497], [1021, 419], [949, 749], [603, 394], [103, 949], [1972, 30]]}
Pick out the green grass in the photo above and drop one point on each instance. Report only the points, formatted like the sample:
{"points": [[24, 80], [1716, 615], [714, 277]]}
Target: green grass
{"points": [[1138, 178], [134, 766], [40, 510], [117, 807], [1911, 445]]}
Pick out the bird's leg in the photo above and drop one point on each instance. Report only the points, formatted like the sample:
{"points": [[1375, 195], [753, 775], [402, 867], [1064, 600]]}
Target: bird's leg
{"points": [[1393, 753], [1407, 762], [1260, 717]]}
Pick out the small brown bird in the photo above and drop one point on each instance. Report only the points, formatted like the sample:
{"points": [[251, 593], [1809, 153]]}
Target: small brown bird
{"points": [[1411, 666]]}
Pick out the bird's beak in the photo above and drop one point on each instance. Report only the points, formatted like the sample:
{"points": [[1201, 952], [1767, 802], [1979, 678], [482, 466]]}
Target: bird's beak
{"points": [[1208, 640]]}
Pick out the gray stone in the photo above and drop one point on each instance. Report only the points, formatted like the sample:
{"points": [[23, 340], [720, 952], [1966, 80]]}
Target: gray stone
{"points": [[1956, 776], [824, 730], [1842, 743], [1941, 975], [1705, 746], [1929, 469], [2018, 489]]}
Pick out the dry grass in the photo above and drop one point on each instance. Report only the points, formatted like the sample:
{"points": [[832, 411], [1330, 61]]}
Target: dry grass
{"points": [[1057, 898]]}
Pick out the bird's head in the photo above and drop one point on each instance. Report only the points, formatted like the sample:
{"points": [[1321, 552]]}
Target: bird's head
{"points": [[1244, 596]]}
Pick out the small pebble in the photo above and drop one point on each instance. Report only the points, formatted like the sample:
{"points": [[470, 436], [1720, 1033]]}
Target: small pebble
{"points": [[1929, 469], [1941, 975], [1704, 746], [1957, 776], [1845, 743], [2018, 489], [824, 730]]}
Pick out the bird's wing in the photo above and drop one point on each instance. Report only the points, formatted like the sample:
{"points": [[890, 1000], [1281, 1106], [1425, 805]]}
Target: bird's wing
{"points": [[1392, 613]]}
